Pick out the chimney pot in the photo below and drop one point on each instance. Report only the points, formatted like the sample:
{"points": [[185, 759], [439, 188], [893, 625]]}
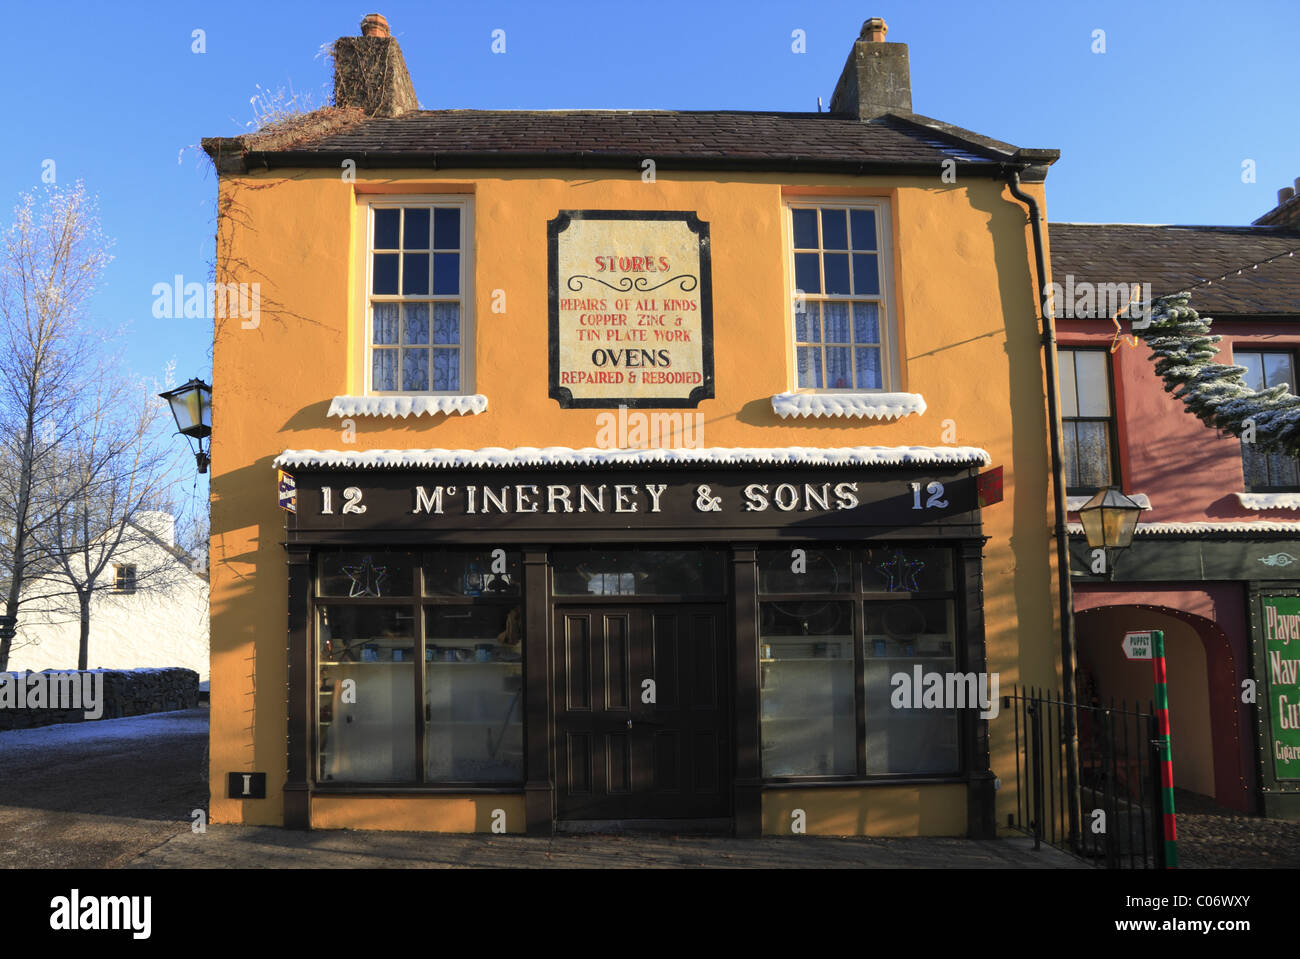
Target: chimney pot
{"points": [[874, 30], [374, 25], [1285, 194], [1297, 184]]}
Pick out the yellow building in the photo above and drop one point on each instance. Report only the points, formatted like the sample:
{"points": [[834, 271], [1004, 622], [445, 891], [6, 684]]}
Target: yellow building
{"points": [[632, 459]]}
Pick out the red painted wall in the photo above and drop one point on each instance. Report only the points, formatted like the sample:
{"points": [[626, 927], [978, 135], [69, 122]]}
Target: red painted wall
{"points": [[1189, 471]]}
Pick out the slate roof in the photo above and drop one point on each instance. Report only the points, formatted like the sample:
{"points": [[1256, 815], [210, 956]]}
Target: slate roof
{"points": [[623, 138], [1175, 258]]}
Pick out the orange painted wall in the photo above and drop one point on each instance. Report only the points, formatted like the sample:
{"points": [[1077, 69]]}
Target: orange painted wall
{"points": [[963, 286]]}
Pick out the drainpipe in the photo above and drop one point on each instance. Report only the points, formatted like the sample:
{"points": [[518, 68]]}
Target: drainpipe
{"points": [[1069, 654]]}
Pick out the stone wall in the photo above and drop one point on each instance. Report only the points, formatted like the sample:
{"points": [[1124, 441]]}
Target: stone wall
{"points": [[117, 692]]}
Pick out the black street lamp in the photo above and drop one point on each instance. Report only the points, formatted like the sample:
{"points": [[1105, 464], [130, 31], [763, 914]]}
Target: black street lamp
{"points": [[1109, 521], [191, 405]]}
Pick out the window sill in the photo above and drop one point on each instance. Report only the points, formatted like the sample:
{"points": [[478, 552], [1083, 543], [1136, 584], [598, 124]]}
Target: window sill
{"points": [[876, 406], [1260, 501], [404, 406]]}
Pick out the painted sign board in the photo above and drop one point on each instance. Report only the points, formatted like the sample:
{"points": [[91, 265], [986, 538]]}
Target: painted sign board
{"points": [[287, 491], [631, 309], [1282, 673], [1137, 645]]}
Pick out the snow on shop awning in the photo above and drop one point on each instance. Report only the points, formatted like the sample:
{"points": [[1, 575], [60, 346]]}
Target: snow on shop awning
{"points": [[499, 457], [1239, 526]]}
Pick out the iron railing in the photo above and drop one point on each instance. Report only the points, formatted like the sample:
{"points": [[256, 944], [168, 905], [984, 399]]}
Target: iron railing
{"points": [[1117, 801]]}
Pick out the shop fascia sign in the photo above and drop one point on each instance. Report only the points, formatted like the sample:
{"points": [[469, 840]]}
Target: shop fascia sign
{"points": [[349, 499]]}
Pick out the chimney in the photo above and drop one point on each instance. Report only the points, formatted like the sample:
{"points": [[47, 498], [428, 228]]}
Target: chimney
{"points": [[876, 79], [1287, 211], [370, 72], [160, 524]]}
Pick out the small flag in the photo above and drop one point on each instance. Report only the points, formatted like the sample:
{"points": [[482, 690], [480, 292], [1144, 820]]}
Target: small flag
{"points": [[988, 487]]}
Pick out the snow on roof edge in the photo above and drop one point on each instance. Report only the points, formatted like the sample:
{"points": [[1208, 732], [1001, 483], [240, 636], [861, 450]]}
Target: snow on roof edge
{"points": [[500, 457]]}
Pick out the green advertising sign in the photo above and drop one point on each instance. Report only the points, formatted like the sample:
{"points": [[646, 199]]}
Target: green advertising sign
{"points": [[1282, 651]]}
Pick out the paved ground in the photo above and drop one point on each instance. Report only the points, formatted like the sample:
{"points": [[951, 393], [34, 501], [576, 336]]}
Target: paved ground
{"points": [[119, 793]]}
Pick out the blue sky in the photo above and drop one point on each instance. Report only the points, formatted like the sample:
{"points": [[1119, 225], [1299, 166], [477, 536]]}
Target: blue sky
{"points": [[1153, 130]]}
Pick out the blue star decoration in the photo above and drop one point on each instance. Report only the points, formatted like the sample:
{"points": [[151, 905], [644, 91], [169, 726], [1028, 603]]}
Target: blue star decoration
{"points": [[367, 579], [902, 573]]}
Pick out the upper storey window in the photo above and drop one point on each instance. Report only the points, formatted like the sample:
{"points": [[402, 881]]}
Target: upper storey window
{"points": [[419, 329], [843, 336], [1267, 470]]}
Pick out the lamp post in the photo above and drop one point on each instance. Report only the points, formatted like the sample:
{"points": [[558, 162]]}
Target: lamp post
{"points": [[1109, 522], [191, 406]]}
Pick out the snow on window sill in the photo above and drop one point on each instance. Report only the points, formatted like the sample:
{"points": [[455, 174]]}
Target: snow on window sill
{"points": [[876, 406], [1289, 501], [1074, 503], [404, 406]]}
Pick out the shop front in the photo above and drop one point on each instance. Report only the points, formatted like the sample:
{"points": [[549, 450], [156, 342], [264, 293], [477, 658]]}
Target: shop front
{"points": [[544, 641]]}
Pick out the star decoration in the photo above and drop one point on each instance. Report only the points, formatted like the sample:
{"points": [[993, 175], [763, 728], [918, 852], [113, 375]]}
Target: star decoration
{"points": [[902, 573], [367, 579]]}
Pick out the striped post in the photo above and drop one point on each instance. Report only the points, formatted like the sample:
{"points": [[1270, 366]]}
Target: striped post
{"points": [[1166, 748]]}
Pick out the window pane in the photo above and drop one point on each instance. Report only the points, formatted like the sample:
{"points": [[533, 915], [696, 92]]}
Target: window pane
{"points": [[898, 637], [866, 323], [1093, 453], [1069, 393], [446, 322], [1070, 440], [417, 323], [377, 573], [1277, 370], [383, 374], [446, 369], [839, 375], [805, 229], [809, 362], [835, 322], [868, 361], [1094, 391], [474, 688], [837, 272], [469, 573], [1282, 470], [639, 572], [415, 274], [809, 722], [385, 322], [446, 274], [804, 569], [805, 323], [862, 225], [369, 734], [415, 370], [866, 274], [806, 273], [386, 224], [446, 228], [416, 230], [835, 230], [907, 569], [1254, 364], [1254, 465], [385, 273]]}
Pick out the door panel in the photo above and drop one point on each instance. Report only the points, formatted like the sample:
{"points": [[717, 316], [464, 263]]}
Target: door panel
{"points": [[620, 756]]}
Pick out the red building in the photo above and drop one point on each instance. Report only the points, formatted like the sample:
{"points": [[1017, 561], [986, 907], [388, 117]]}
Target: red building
{"points": [[1215, 562]]}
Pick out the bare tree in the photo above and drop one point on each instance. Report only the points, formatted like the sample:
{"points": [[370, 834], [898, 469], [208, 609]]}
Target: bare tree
{"points": [[50, 260], [116, 466]]}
